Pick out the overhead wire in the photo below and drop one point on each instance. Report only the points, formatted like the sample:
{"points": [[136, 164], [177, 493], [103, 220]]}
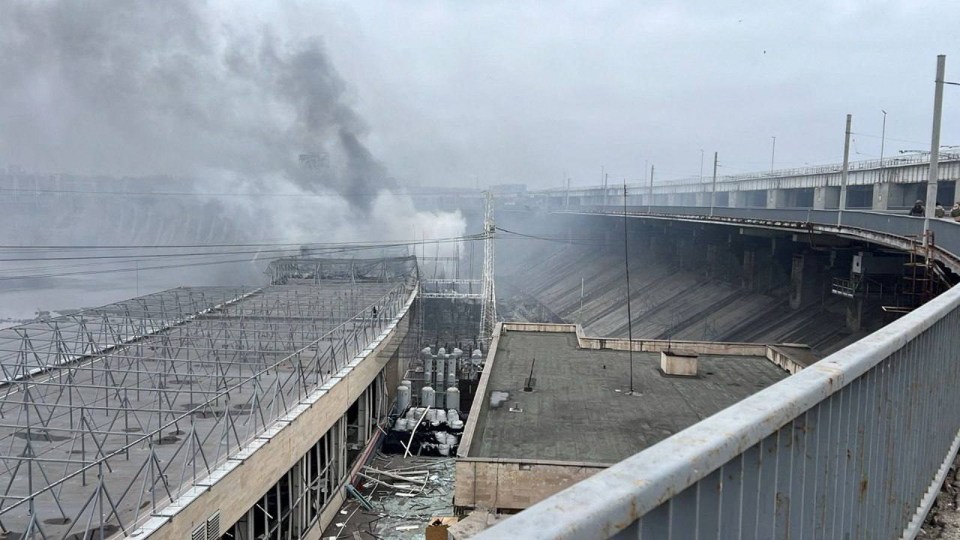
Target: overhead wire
{"points": [[321, 248], [127, 259], [258, 194]]}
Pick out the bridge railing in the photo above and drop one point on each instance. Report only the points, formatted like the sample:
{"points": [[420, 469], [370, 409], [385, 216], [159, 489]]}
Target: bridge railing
{"points": [[855, 446], [901, 225]]}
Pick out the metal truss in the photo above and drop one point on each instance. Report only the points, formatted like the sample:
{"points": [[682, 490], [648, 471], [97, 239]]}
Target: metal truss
{"points": [[488, 309], [109, 414], [315, 269], [453, 289]]}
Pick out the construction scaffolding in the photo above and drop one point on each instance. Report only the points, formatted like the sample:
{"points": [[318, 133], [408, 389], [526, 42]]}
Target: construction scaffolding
{"points": [[110, 414]]}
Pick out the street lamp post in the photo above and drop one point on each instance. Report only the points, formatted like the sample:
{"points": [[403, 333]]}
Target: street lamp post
{"points": [[883, 137], [773, 152]]}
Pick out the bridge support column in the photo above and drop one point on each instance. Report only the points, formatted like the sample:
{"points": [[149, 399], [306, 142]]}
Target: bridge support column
{"points": [[748, 272], [826, 197], [776, 198], [737, 199], [687, 255], [712, 260], [887, 195], [854, 314], [804, 277]]}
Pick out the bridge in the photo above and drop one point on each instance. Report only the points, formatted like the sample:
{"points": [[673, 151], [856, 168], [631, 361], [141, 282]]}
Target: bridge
{"points": [[889, 184], [854, 446]]}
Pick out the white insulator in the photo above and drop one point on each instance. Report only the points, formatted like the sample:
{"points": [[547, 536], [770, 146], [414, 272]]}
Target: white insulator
{"points": [[427, 397], [453, 398], [428, 371], [403, 398], [451, 372], [441, 369]]}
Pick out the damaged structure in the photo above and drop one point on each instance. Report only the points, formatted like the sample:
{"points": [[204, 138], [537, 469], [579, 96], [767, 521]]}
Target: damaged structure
{"points": [[199, 412]]}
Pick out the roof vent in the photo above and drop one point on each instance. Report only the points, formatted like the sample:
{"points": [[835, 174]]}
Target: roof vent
{"points": [[679, 364]]}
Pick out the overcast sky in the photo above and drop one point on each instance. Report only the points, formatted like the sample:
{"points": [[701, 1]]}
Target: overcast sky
{"points": [[503, 92], [525, 91]]}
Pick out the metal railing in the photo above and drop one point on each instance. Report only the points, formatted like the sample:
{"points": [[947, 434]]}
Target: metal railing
{"points": [[815, 170], [855, 446]]}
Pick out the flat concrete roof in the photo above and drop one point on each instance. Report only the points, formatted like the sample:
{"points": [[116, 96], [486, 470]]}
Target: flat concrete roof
{"points": [[579, 410]]}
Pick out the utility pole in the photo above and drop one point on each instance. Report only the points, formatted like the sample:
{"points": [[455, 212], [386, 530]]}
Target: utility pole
{"points": [[650, 199], [713, 190], [843, 173], [883, 137], [626, 264], [773, 152], [934, 176]]}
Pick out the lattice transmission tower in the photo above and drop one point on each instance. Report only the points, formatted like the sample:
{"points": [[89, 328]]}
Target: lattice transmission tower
{"points": [[488, 304]]}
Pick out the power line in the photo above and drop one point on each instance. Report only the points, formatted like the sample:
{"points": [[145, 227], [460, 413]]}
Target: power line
{"points": [[257, 194], [322, 248]]}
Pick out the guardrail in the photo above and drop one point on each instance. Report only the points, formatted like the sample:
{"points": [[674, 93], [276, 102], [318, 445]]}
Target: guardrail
{"points": [[855, 446], [898, 230]]}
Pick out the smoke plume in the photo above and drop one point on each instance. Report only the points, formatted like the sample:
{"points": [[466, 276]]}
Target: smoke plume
{"points": [[139, 88]]}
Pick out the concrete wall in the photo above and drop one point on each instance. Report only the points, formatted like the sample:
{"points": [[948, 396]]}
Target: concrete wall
{"points": [[245, 477], [500, 485], [640, 345]]}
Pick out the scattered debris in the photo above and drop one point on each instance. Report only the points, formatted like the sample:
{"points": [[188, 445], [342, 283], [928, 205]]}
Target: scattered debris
{"points": [[497, 397], [406, 494]]}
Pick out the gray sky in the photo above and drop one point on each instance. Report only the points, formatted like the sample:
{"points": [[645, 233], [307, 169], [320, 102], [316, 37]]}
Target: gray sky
{"points": [[523, 91], [442, 93]]}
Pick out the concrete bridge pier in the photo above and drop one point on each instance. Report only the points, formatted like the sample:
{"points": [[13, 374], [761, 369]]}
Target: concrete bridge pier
{"points": [[806, 272], [854, 314], [712, 261], [778, 198], [825, 197], [887, 195], [748, 272]]}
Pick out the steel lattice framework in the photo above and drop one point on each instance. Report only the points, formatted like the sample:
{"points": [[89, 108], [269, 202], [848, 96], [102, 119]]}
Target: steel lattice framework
{"points": [[110, 414], [488, 306]]}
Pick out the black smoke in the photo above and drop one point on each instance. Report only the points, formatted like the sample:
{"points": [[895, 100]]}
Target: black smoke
{"points": [[140, 88]]}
